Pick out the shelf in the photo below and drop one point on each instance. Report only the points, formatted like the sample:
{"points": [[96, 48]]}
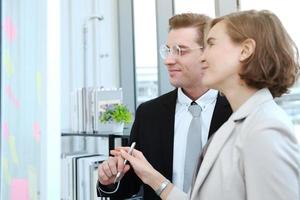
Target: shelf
{"points": [[111, 137]]}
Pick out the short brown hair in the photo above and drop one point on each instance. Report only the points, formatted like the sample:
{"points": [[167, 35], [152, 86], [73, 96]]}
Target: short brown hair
{"points": [[186, 20], [275, 61]]}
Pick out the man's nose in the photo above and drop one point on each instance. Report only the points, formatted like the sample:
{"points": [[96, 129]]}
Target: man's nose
{"points": [[202, 57], [169, 60]]}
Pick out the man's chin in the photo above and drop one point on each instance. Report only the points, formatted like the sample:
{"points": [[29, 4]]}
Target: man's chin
{"points": [[175, 83]]}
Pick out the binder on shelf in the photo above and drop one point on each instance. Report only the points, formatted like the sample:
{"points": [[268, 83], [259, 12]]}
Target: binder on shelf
{"points": [[70, 179], [87, 105], [87, 176]]}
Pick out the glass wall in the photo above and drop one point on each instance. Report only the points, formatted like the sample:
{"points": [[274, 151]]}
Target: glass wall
{"points": [[30, 115], [145, 44], [22, 97]]}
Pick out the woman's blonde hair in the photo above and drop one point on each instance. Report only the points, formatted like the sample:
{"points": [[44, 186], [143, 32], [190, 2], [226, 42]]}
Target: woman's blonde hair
{"points": [[275, 62]]}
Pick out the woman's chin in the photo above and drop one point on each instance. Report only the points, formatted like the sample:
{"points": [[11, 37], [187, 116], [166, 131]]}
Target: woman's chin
{"points": [[207, 83]]}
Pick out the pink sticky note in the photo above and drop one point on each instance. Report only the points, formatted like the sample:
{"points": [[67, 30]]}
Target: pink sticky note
{"points": [[5, 130], [36, 131], [19, 189], [11, 96], [9, 29]]}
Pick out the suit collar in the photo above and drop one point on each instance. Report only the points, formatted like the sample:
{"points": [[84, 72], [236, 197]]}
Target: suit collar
{"points": [[169, 99], [224, 133]]}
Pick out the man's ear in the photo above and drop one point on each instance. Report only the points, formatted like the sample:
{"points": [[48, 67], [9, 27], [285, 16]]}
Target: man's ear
{"points": [[247, 49]]}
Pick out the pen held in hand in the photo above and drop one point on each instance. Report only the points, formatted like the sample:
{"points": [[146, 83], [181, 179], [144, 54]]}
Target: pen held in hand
{"points": [[118, 177]]}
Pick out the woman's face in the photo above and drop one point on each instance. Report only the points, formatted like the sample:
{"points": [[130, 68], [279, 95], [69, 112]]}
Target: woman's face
{"points": [[221, 59]]}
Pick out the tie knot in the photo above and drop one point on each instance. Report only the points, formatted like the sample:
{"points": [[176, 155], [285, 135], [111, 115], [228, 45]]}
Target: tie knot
{"points": [[195, 109]]}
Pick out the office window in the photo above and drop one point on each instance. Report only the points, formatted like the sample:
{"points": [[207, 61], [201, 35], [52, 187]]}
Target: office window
{"points": [[198, 6], [288, 12], [145, 50]]}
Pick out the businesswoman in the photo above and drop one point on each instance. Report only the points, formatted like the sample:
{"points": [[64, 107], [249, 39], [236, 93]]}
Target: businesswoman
{"points": [[251, 59]]}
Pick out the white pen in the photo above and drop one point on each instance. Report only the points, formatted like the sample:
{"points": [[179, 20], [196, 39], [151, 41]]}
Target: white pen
{"points": [[117, 179]]}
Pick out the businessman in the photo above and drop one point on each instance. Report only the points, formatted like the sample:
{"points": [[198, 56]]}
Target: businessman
{"points": [[162, 128]]}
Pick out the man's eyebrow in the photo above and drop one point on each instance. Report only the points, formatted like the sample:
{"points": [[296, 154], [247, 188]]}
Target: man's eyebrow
{"points": [[182, 45]]}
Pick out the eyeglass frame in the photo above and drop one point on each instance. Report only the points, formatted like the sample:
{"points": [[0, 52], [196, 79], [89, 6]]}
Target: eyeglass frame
{"points": [[165, 51]]}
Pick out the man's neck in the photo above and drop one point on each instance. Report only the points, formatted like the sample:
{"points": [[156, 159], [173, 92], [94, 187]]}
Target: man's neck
{"points": [[194, 93]]}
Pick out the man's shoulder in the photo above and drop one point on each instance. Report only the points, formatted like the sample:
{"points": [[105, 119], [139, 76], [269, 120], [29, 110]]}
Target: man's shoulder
{"points": [[165, 98]]}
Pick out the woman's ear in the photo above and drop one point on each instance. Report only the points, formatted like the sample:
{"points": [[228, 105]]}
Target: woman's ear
{"points": [[248, 48]]}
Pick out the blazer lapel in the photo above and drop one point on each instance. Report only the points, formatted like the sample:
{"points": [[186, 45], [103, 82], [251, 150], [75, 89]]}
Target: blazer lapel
{"points": [[216, 145], [224, 133]]}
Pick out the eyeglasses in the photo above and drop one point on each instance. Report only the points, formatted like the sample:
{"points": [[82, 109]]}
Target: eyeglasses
{"points": [[175, 50]]}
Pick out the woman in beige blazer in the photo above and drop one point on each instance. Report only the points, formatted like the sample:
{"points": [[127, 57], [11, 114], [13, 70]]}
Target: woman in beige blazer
{"points": [[251, 59]]}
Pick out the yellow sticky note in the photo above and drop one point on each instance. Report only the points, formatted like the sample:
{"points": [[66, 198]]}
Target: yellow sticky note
{"points": [[6, 172], [8, 64], [13, 149], [38, 84], [33, 187]]}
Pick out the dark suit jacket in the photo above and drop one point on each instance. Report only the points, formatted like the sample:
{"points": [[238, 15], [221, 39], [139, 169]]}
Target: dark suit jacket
{"points": [[153, 131]]}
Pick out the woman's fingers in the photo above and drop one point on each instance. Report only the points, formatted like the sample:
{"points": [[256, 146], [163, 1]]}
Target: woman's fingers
{"points": [[126, 156], [122, 148]]}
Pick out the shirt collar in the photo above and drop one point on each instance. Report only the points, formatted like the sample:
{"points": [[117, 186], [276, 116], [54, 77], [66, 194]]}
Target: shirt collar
{"points": [[207, 98]]}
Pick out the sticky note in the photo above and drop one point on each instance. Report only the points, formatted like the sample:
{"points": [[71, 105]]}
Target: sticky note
{"points": [[6, 172], [9, 29], [12, 97], [13, 149], [19, 189], [33, 187], [5, 130], [36, 132], [9, 69]]}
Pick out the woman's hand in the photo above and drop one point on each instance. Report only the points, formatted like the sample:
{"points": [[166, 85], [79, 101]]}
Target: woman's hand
{"points": [[141, 166]]}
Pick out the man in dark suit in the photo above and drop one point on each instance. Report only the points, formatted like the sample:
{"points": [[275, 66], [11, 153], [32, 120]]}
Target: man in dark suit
{"points": [[161, 125]]}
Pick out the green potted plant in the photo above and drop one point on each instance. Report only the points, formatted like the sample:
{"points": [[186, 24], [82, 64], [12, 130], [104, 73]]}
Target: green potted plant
{"points": [[117, 115]]}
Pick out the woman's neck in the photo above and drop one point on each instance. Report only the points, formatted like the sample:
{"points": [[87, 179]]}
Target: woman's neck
{"points": [[238, 95]]}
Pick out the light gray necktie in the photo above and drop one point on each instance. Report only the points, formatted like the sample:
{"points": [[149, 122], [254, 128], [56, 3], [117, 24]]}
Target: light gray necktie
{"points": [[193, 145]]}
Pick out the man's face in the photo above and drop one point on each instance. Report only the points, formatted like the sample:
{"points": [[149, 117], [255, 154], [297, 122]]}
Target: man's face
{"points": [[185, 70]]}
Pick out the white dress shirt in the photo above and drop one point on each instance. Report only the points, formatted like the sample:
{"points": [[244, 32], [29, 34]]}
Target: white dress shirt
{"points": [[183, 119]]}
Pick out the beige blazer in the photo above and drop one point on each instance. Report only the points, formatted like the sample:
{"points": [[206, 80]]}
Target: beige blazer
{"points": [[253, 156]]}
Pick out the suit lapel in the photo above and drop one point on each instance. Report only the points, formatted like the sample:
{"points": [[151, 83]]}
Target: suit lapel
{"points": [[169, 105], [213, 151], [221, 113]]}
